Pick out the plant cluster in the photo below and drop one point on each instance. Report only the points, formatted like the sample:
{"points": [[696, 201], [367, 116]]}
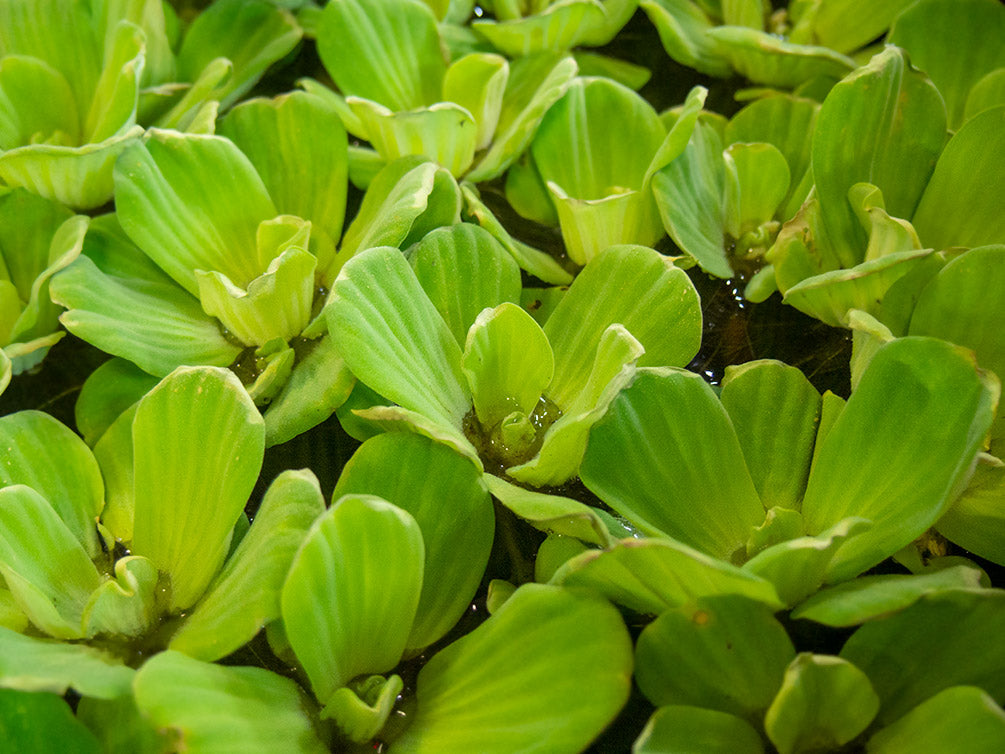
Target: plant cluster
{"points": [[466, 239]]}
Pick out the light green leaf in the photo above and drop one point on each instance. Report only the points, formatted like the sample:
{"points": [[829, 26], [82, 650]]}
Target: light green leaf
{"points": [[662, 312], [31, 664], [113, 108], [41, 453], [683, 29], [724, 652], [553, 553], [690, 193], [376, 419], [936, 419], [871, 597], [252, 34], [824, 702], [960, 718], [212, 708], [535, 83], [987, 93], [361, 709], [245, 594], [477, 82], [120, 727], [114, 453], [961, 201], [695, 730], [109, 390], [765, 59], [898, 114], [763, 181], [383, 50], [127, 604], [191, 484], [645, 461], [36, 104], [33, 722], [394, 340], [623, 71], [559, 27], [547, 672], [352, 591], [298, 146], [445, 494], [942, 640], [650, 576], [463, 270], [955, 43], [774, 410], [846, 25], [192, 203], [551, 513], [976, 521], [44, 566]]}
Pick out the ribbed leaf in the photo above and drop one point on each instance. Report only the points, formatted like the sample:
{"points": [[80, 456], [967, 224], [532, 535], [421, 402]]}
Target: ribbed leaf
{"points": [[109, 390], [41, 453], [547, 672], [632, 286], [683, 29], [36, 104], [352, 591], [476, 82], [724, 652], [987, 93], [942, 640], [394, 340], [645, 461], [116, 96], [127, 604], [561, 26], [245, 594], [824, 701], [960, 717], [114, 453], [935, 419], [955, 43], [43, 722], [975, 521], [763, 180], [192, 203], [191, 483], [445, 494], [214, 708], [846, 25], [651, 576], [387, 51], [683, 728]]}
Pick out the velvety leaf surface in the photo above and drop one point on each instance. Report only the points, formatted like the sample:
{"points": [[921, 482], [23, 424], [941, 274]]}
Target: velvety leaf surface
{"points": [[213, 708], [695, 730], [823, 701], [245, 594], [490, 690], [644, 461], [191, 484], [31, 664], [956, 718], [651, 575], [35, 722], [936, 419], [724, 652], [942, 640], [352, 591], [445, 494]]}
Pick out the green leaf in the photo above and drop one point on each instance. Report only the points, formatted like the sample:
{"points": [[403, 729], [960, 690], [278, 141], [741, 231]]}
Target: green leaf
{"points": [[975, 520], [298, 146], [954, 43], [765, 59], [477, 82], [383, 50], [548, 671], [42, 722], [824, 702], [361, 716], [959, 206], [127, 604], [551, 513], [109, 390], [683, 29], [535, 83], [942, 640], [212, 708], [723, 652], [662, 312], [645, 461], [36, 104], [113, 108], [650, 576], [871, 597], [960, 718], [694, 730], [429, 480], [252, 34], [987, 93], [507, 362], [114, 453], [190, 484], [936, 419], [559, 27], [464, 270], [690, 193], [44, 565], [774, 410], [352, 591], [31, 664], [553, 553], [245, 594], [846, 25], [898, 114], [762, 178], [394, 340], [49, 458], [120, 727]]}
